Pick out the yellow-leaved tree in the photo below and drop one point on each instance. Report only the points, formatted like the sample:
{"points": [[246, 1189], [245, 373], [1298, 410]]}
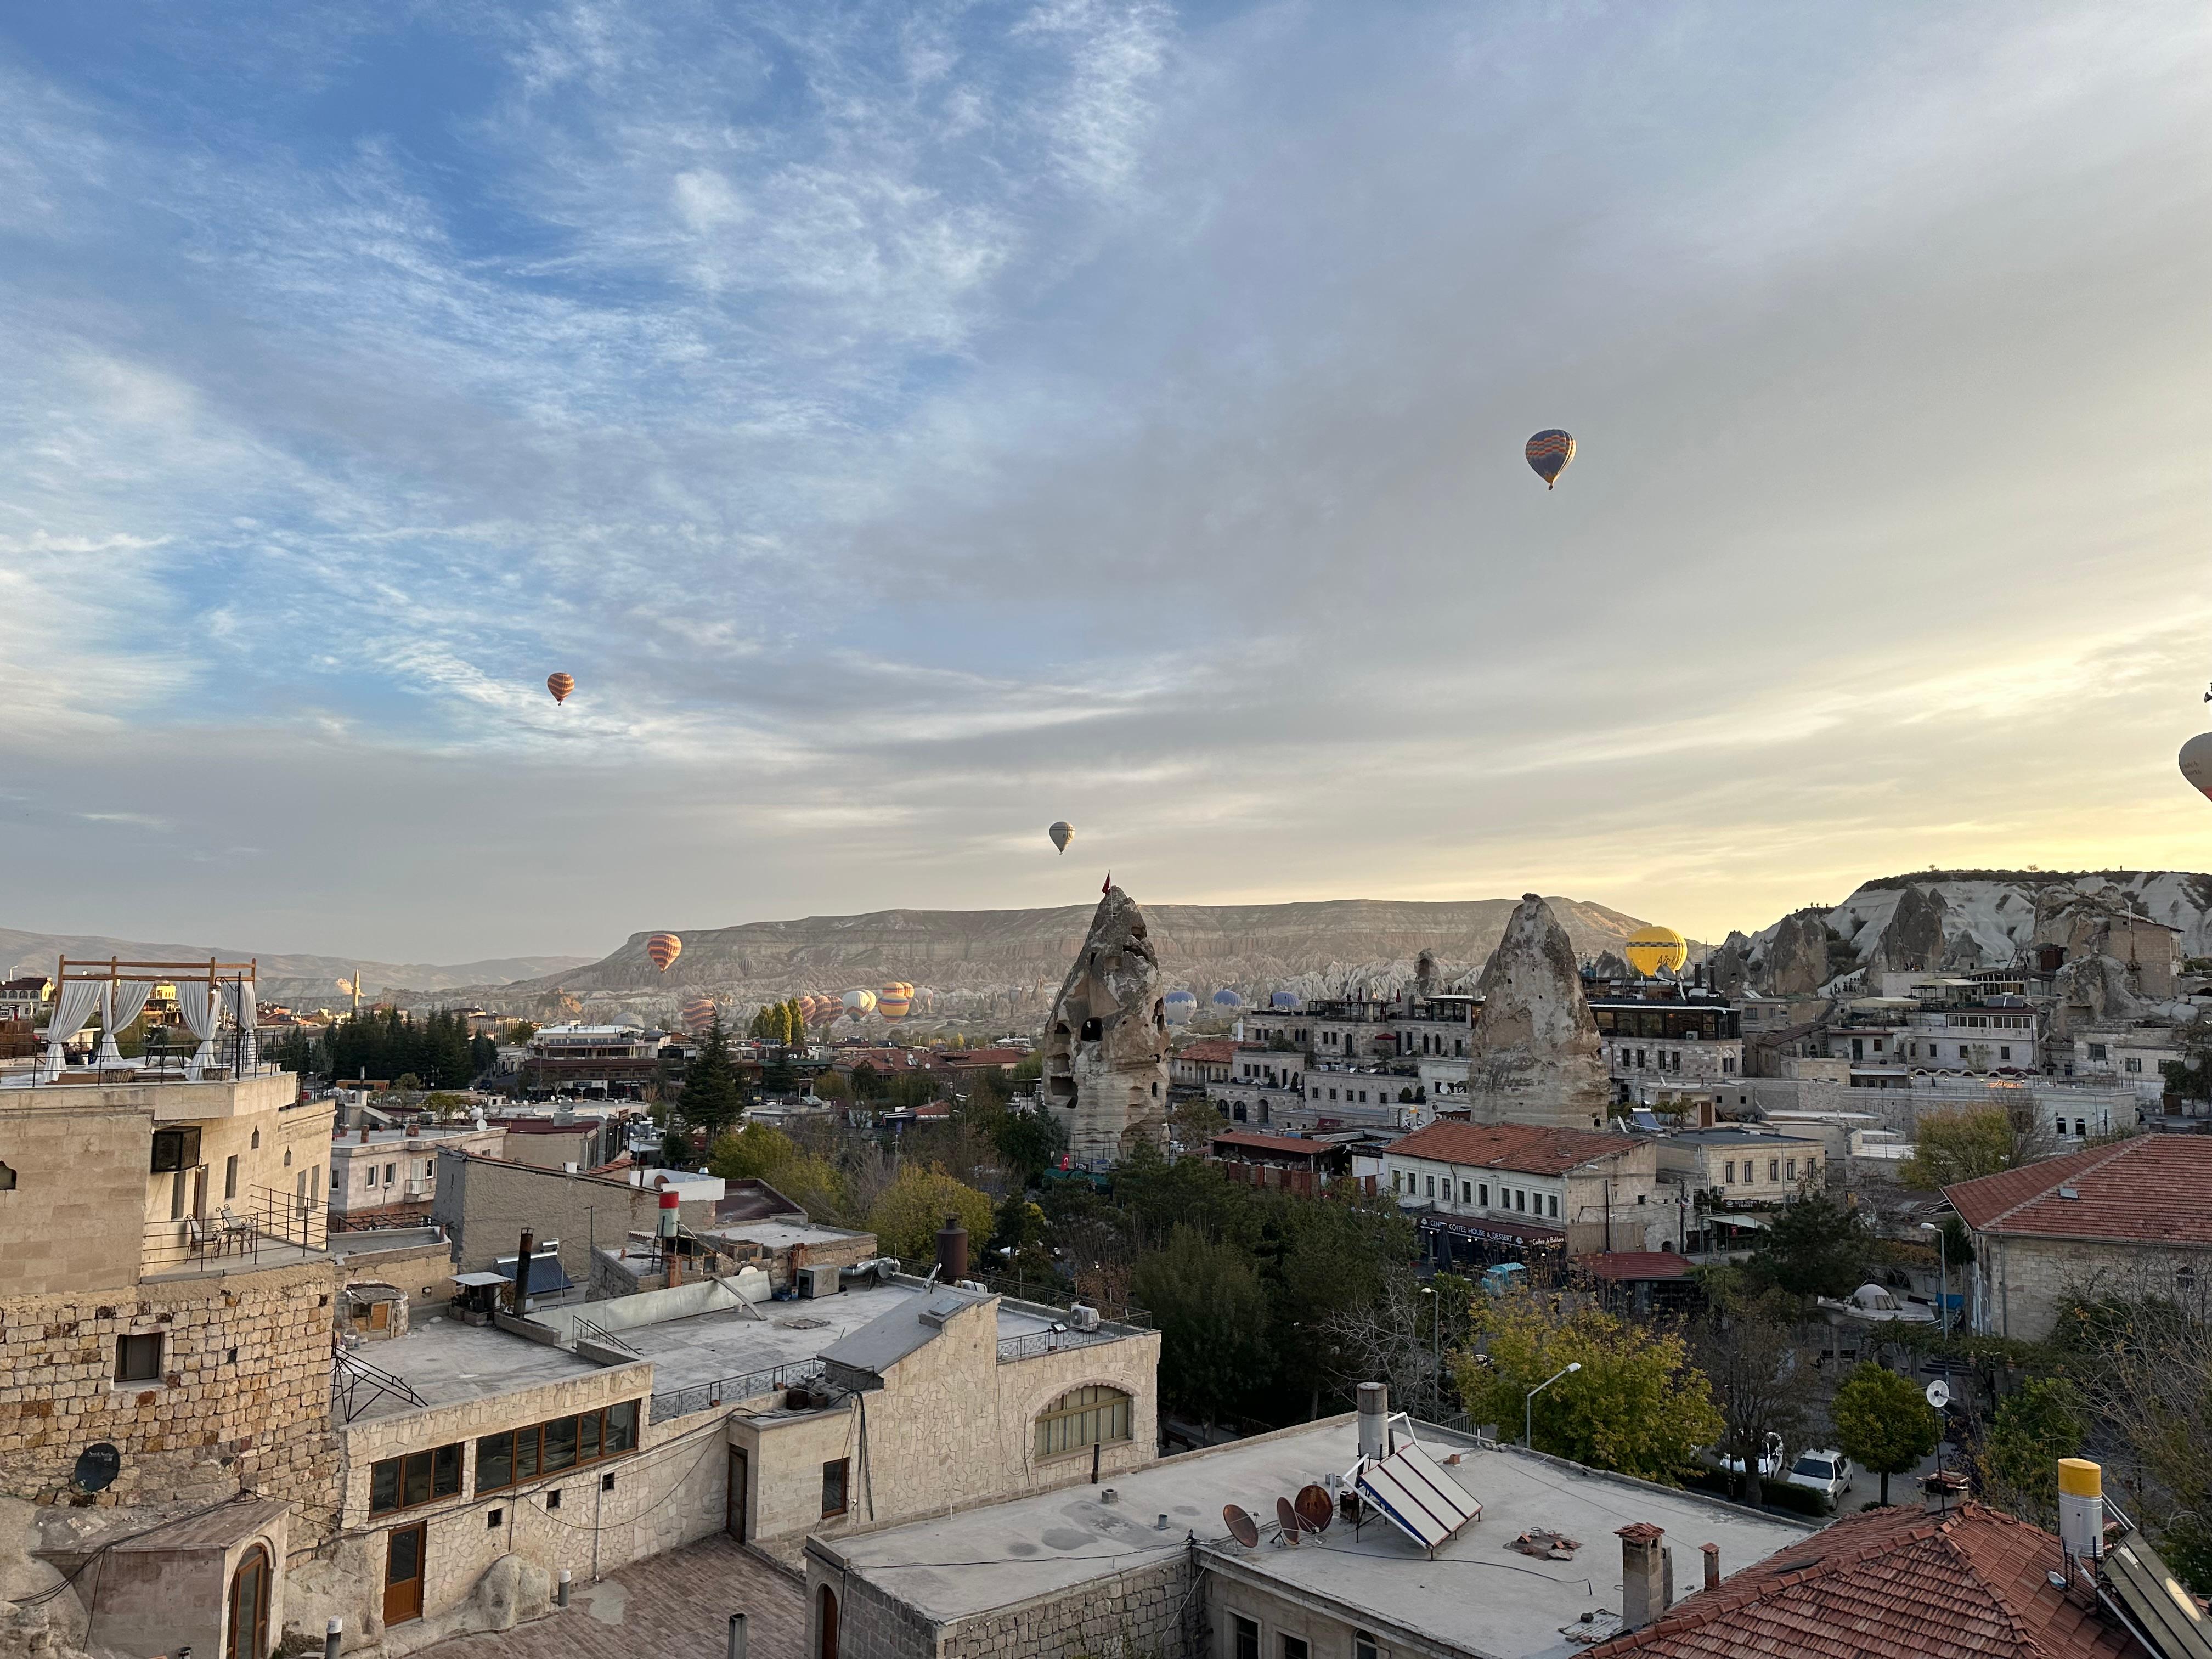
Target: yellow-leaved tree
{"points": [[906, 1216]]}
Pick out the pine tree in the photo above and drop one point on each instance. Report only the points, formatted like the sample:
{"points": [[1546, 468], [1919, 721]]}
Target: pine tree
{"points": [[711, 1100]]}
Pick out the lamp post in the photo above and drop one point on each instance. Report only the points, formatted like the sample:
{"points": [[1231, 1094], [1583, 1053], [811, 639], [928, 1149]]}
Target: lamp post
{"points": [[1942, 1272], [1436, 1379], [1528, 1404]]}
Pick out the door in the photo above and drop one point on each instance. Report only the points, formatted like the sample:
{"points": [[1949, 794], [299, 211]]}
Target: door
{"points": [[826, 1605], [403, 1572], [733, 1513], [248, 1637]]}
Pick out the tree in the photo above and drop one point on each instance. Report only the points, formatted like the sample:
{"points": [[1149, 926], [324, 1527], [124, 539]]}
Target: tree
{"points": [[831, 1085], [813, 1183], [1883, 1423], [1957, 1146], [711, 1100], [1637, 1405], [905, 1219], [1021, 1241], [1211, 1313], [867, 1082], [754, 1152], [1029, 1143], [1816, 1247], [1747, 1344], [1192, 1125], [1390, 1339], [2031, 1430]]}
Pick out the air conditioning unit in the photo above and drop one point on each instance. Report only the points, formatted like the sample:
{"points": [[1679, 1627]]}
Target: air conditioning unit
{"points": [[817, 1281], [1083, 1318]]}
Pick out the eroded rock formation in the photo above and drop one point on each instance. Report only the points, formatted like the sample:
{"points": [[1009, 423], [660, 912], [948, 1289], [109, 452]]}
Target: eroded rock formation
{"points": [[1795, 964], [1106, 1039], [1535, 1052], [1912, 940]]}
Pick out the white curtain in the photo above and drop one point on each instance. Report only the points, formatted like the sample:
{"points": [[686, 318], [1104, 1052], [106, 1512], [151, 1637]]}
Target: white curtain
{"points": [[195, 1002], [246, 1010], [123, 1001], [74, 1001]]}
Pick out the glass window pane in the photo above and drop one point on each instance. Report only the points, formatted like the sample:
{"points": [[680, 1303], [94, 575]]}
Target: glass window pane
{"points": [[495, 1462], [384, 1486], [526, 1453], [446, 1472], [622, 1426], [417, 1487], [587, 1447], [559, 1444]]}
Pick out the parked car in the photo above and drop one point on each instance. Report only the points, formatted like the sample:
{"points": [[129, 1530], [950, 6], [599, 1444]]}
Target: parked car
{"points": [[1770, 1459], [1828, 1472]]}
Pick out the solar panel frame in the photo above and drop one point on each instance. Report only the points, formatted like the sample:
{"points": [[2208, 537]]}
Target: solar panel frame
{"points": [[1413, 1492]]}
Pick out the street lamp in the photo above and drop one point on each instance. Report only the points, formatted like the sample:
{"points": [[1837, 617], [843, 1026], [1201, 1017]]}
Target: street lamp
{"points": [[1529, 1404], [1436, 1378], [1942, 1272]]}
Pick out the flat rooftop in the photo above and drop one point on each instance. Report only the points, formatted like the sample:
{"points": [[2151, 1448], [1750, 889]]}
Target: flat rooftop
{"points": [[777, 1235], [1477, 1597]]}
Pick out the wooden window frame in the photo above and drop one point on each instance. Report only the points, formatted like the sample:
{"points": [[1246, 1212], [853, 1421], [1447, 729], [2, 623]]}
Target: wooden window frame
{"points": [[1094, 1418], [124, 1375], [414, 1479], [590, 1437], [838, 1475]]}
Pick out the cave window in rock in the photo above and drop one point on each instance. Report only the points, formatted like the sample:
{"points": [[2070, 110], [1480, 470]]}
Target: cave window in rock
{"points": [[6, 1179], [1093, 1030]]}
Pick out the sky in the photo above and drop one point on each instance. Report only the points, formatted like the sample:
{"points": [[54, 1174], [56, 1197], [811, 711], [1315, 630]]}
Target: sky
{"points": [[912, 424]]}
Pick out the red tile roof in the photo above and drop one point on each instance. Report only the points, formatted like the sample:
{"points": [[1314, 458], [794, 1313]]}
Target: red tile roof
{"points": [[1259, 1143], [1210, 1051], [2150, 1189], [1966, 1585], [1522, 1148]]}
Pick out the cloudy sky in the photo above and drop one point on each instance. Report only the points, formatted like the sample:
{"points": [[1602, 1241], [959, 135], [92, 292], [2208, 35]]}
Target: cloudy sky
{"points": [[912, 424]]}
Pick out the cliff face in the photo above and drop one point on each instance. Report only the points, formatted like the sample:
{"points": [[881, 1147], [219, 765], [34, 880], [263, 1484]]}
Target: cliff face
{"points": [[1106, 1039]]}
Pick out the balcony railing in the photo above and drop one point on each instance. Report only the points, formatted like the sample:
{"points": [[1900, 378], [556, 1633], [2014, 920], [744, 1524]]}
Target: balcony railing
{"points": [[265, 1227], [166, 1053], [728, 1391]]}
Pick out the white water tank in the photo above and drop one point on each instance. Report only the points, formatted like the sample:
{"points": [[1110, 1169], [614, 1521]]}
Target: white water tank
{"points": [[2081, 1509]]}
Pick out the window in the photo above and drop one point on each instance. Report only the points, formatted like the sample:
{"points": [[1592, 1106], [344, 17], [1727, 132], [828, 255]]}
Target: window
{"points": [[2080, 1126], [1812, 1168], [1466, 1192], [2096, 1051], [230, 1176], [1092, 1416], [2131, 1063], [1774, 1169], [1244, 1637], [1790, 1169], [1432, 1186], [1364, 1646], [401, 1483], [1484, 1190], [370, 1179], [1552, 1205], [1294, 1647], [1729, 1180], [387, 1175], [138, 1359], [335, 1177], [518, 1454], [835, 1479], [1395, 1176], [1521, 1199]]}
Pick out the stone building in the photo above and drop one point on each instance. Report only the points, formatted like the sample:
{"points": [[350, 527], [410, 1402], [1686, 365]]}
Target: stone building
{"points": [[1106, 1039], [1535, 1055], [1481, 1191], [2131, 1218]]}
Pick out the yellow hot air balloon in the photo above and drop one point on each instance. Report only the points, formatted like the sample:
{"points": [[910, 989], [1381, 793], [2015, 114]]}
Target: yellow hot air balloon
{"points": [[698, 1014], [895, 1000], [1650, 950], [662, 948], [1061, 834], [860, 1003]]}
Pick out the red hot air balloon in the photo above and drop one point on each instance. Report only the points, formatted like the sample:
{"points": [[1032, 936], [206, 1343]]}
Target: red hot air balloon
{"points": [[1549, 453], [662, 948], [560, 685]]}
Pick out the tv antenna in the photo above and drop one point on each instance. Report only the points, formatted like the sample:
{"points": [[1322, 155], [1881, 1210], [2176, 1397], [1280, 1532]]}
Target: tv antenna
{"points": [[1242, 1527], [1287, 1519]]}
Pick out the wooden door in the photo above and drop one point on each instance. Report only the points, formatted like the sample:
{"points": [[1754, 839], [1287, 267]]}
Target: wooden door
{"points": [[733, 1513], [248, 1637], [825, 1603], [403, 1572]]}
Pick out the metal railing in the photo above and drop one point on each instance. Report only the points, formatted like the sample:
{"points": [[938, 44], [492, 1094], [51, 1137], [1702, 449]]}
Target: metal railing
{"points": [[728, 1391], [592, 1330], [1037, 1344], [166, 1053], [1060, 1298], [264, 1227], [355, 1385]]}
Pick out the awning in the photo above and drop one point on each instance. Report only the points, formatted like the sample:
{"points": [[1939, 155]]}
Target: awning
{"points": [[1497, 1232]]}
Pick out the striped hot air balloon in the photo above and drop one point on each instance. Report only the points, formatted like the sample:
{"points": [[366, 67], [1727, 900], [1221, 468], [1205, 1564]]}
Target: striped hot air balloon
{"points": [[662, 948], [895, 1000], [860, 1003], [698, 1013], [1181, 1006], [560, 685], [1548, 453]]}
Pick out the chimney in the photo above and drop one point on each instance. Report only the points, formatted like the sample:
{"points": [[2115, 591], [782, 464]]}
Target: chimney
{"points": [[523, 1252], [951, 1251], [364, 1125], [1644, 1586], [1944, 1491], [1712, 1554], [1374, 1420]]}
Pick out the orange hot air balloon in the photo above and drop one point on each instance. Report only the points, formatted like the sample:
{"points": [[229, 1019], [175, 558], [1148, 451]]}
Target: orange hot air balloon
{"points": [[662, 948], [698, 1014], [560, 685]]}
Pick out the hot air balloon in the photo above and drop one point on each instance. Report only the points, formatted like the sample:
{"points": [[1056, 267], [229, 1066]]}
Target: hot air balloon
{"points": [[1181, 1006], [560, 685], [2197, 763], [1548, 453], [1285, 1000], [860, 1003], [697, 1014], [1061, 834], [1225, 998], [662, 948], [1651, 950], [895, 1000]]}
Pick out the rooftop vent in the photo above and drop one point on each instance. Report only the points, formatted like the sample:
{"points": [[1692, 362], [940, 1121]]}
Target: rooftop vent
{"points": [[2070, 1192]]}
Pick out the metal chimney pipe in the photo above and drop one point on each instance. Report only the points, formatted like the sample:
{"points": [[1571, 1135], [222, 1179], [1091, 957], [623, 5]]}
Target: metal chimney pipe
{"points": [[332, 1633], [1374, 1420], [523, 1252], [737, 1636], [951, 1251]]}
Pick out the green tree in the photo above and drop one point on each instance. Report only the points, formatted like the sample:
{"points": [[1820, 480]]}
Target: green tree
{"points": [[1192, 1125], [906, 1217], [1637, 1405], [2031, 1431], [1747, 1344], [1211, 1311], [1957, 1145], [831, 1085], [1816, 1247], [1883, 1423], [1029, 1143], [814, 1184], [711, 1099], [754, 1152], [867, 1082], [1021, 1241]]}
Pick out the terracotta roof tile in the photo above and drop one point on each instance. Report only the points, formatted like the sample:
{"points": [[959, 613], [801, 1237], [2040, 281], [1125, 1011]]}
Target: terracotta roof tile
{"points": [[2150, 1189], [1521, 1148], [1967, 1585]]}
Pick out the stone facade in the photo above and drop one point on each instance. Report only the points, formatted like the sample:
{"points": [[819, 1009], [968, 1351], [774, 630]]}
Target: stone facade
{"points": [[2020, 1282], [1106, 1039], [483, 1204]]}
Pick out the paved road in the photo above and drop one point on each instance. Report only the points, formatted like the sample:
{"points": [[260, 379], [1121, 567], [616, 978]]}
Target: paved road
{"points": [[1866, 1489], [676, 1605]]}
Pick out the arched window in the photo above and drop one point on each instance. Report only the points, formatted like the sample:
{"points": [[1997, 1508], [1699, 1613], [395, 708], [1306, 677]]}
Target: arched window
{"points": [[249, 1607], [1081, 1418], [826, 1618]]}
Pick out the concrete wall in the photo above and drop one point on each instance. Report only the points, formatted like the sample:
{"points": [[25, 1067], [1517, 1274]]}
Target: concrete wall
{"points": [[160, 1600], [245, 1399], [423, 1271], [485, 1204]]}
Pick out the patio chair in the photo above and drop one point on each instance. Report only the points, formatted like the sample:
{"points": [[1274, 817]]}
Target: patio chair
{"points": [[235, 1232]]}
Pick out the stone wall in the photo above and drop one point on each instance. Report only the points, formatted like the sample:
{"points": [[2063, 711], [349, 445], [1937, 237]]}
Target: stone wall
{"points": [[483, 1204], [243, 1402], [871, 1624], [1149, 1613], [425, 1272], [1228, 1595], [2022, 1281]]}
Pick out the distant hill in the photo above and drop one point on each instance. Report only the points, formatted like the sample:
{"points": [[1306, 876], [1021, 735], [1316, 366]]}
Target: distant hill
{"points": [[280, 978]]}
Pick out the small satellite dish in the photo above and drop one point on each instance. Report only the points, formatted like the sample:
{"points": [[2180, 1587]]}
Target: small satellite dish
{"points": [[1242, 1527], [1287, 1519], [97, 1466], [1939, 1394], [1315, 1507]]}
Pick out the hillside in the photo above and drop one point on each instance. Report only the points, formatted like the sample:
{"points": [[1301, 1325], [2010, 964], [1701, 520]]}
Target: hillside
{"points": [[312, 979]]}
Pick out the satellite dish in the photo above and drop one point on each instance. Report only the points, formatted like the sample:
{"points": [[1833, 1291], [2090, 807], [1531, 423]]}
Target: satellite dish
{"points": [[1315, 1507], [97, 1466], [1939, 1394], [1242, 1527], [1287, 1519]]}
